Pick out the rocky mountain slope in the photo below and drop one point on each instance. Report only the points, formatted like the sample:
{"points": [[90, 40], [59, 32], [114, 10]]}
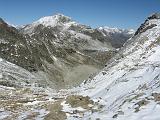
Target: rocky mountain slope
{"points": [[128, 88], [51, 51], [56, 47]]}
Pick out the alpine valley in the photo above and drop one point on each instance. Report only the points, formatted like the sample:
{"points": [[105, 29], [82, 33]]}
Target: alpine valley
{"points": [[56, 68]]}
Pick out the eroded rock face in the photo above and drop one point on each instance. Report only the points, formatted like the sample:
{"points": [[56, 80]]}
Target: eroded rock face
{"points": [[154, 16], [147, 24]]}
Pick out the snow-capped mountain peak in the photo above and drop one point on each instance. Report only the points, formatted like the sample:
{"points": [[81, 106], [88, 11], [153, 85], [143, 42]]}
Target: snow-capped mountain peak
{"points": [[116, 30], [109, 29], [53, 20], [50, 21]]}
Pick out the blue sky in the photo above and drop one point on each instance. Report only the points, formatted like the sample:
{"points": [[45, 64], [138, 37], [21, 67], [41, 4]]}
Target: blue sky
{"points": [[112, 13]]}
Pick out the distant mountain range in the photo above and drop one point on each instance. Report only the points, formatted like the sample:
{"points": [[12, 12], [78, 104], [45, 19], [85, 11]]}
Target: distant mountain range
{"points": [[117, 37]]}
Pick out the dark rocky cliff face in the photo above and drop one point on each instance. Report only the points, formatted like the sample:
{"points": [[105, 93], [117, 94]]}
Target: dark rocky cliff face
{"points": [[145, 26], [13, 46]]}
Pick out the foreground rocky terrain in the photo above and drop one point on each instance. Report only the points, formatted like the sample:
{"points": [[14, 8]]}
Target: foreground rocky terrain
{"points": [[128, 88]]}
